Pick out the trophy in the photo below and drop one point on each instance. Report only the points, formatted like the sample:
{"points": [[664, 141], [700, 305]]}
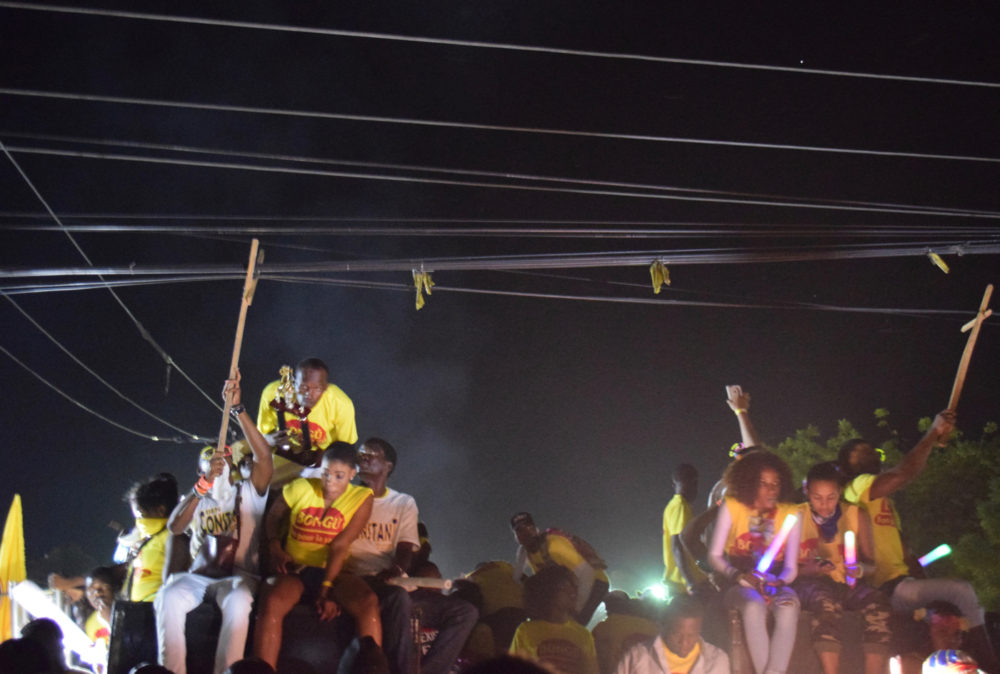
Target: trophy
{"points": [[286, 400]]}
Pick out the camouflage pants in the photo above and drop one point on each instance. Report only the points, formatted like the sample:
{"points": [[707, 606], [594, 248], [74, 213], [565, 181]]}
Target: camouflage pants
{"points": [[827, 600]]}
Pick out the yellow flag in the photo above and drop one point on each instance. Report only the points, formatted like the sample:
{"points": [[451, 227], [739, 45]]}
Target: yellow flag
{"points": [[11, 562]]}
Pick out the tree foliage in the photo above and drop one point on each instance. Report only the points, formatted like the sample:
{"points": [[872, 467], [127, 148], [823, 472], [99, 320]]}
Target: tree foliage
{"points": [[955, 500]]}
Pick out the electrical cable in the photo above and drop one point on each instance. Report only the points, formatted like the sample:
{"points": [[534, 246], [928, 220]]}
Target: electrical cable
{"points": [[141, 328], [91, 372], [930, 211], [409, 121], [154, 438], [504, 175], [148, 16]]}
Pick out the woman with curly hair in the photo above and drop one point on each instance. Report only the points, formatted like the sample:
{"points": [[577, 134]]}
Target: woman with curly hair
{"points": [[758, 500]]}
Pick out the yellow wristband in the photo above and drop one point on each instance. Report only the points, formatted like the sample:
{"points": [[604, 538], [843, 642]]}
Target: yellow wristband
{"points": [[327, 583], [739, 411]]}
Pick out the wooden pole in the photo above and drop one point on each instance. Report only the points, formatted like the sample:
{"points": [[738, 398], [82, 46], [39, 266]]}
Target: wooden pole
{"points": [[249, 286], [963, 365]]}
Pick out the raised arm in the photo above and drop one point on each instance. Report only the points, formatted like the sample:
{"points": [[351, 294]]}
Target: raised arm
{"points": [[263, 462], [915, 460], [739, 403]]}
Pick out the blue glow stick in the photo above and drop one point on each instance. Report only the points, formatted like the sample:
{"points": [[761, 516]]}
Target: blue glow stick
{"points": [[937, 553], [776, 544]]}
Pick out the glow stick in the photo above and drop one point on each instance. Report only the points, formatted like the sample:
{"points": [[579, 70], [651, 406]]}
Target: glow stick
{"points": [[850, 554], [34, 600], [937, 553], [776, 544], [411, 583]]}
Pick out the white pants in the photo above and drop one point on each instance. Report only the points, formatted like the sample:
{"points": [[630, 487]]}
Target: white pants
{"points": [[181, 595]]}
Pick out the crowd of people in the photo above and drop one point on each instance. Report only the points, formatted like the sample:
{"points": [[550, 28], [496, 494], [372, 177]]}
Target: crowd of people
{"points": [[296, 513]]}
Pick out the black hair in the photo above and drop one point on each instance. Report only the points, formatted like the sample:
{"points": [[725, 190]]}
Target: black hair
{"points": [[844, 455], [107, 574], [160, 490], [540, 589], [684, 472], [342, 452], [828, 471], [682, 606], [387, 449], [312, 364], [743, 477]]}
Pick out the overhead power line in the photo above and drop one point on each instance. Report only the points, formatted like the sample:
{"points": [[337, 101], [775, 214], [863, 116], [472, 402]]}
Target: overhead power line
{"points": [[91, 372], [88, 410], [138, 324], [605, 192], [478, 44], [409, 121], [505, 176], [540, 261]]}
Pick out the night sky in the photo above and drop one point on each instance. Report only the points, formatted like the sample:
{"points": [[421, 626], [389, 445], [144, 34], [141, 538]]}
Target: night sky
{"points": [[551, 389]]}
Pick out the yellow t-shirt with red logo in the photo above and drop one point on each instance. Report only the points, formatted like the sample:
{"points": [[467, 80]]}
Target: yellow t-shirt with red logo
{"points": [[97, 629], [812, 545], [331, 419], [681, 664], [147, 567], [752, 531], [566, 647], [889, 555], [312, 526]]}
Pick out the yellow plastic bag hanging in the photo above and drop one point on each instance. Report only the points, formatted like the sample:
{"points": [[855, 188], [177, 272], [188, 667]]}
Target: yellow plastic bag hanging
{"points": [[423, 283], [660, 275], [938, 262]]}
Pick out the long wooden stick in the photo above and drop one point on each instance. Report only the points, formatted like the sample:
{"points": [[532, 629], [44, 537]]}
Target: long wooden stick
{"points": [[963, 365], [249, 286]]}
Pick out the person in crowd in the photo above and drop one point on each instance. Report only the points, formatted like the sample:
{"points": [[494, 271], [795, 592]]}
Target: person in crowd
{"points": [[871, 488], [330, 419], [757, 503], [680, 574], [102, 585], [151, 502], [551, 635], [699, 530], [627, 623], [539, 549], [23, 656], [384, 549], [824, 573], [224, 517], [679, 648], [49, 635], [502, 608], [322, 516]]}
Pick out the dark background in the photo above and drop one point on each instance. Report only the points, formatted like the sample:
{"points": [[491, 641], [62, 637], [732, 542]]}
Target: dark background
{"points": [[574, 410]]}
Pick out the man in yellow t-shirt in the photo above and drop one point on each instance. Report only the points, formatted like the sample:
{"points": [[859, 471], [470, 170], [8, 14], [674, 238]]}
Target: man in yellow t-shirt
{"points": [[552, 547], [330, 419], [151, 503], [870, 488], [680, 574]]}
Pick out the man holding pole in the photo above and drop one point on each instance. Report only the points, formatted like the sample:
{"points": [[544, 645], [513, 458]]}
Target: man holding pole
{"points": [[870, 488]]}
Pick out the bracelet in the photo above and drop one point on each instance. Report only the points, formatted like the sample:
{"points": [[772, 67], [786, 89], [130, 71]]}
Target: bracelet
{"points": [[326, 583], [237, 410], [740, 410]]}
